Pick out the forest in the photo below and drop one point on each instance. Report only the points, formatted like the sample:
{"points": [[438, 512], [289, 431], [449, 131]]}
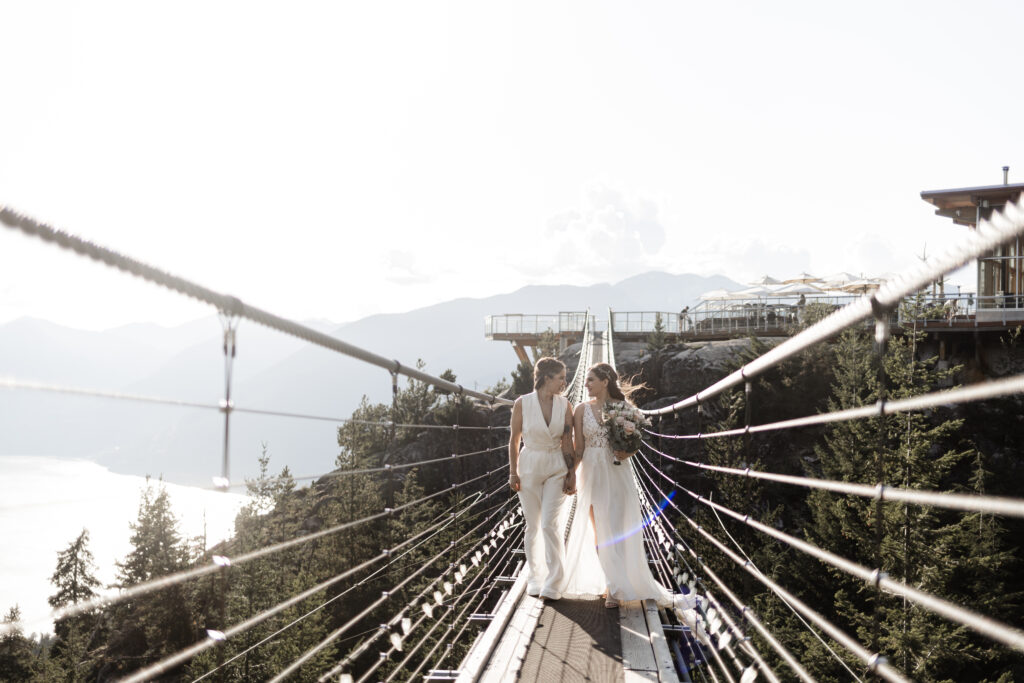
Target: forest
{"points": [[341, 613]]}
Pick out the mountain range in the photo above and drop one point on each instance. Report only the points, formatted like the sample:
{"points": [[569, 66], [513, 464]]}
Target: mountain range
{"points": [[271, 371]]}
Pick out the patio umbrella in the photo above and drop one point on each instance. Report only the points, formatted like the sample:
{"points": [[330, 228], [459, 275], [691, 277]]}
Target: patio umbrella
{"points": [[765, 280], [715, 295], [751, 293], [839, 279], [802, 277], [796, 288], [861, 286]]}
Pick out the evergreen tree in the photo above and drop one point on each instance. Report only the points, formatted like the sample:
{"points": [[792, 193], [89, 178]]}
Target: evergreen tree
{"points": [[522, 379], [928, 548], [547, 345], [16, 658], [658, 338], [159, 623], [75, 580]]}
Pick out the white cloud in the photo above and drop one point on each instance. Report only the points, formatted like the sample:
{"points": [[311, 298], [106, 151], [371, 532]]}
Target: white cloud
{"points": [[610, 236]]}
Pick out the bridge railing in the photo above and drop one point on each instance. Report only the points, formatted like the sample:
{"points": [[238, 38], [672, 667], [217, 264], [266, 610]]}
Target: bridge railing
{"points": [[459, 580], [880, 308]]}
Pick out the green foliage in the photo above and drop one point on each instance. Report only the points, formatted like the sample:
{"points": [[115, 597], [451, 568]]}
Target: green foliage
{"points": [[522, 379], [75, 580], [658, 338], [547, 345]]}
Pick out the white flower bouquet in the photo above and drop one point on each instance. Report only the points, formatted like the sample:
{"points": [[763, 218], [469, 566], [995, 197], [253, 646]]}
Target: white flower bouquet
{"points": [[623, 421]]}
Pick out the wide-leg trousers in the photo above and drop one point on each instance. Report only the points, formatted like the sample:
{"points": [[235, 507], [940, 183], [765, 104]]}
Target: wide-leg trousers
{"points": [[541, 477]]}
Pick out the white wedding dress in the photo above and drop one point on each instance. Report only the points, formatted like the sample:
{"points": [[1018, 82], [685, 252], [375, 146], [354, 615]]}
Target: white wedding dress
{"points": [[619, 562]]}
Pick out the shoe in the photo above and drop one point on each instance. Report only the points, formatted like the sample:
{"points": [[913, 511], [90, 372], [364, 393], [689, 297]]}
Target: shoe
{"points": [[532, 592], [611, 603], [550, 595]]}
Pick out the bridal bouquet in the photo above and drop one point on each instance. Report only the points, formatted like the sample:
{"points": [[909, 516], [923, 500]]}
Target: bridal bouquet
{"points": [[623, 422]]}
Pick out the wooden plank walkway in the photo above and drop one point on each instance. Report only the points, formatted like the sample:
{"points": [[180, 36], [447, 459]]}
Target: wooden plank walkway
{"points": [[578, 640]]}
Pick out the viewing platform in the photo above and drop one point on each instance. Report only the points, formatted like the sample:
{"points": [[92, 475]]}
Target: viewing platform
{"points": [[730, 317]]}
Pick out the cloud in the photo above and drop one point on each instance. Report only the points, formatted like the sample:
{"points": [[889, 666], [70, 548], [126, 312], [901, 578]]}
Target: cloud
{"points": [[608, 236], [400, 269]]}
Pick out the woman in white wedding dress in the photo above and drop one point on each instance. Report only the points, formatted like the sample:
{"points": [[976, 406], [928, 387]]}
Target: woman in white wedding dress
{"points": [[605, 548]]}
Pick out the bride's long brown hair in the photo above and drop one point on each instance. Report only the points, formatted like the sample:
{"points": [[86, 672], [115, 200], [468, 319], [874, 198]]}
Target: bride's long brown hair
{"points": [[618, 388]]}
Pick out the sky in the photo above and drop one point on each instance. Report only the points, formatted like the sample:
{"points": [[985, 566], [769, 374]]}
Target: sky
{"points": [[333, 160]]}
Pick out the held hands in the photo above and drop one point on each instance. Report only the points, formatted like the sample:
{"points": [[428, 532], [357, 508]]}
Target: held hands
{"points": [[569, 486]]}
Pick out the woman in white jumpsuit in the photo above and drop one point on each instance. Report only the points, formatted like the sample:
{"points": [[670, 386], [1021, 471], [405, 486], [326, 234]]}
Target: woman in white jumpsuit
{"points": [[543, 473]]}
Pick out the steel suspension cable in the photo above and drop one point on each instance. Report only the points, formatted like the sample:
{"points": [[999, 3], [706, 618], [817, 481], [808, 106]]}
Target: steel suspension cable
{"points": [[986, 626], [224, 303], [456, 619], [423, 640], [999, 505], [433, 531], [744, 610], [386, 655], [334, 635], [876, 662], [1001, 228], [184, 655], [821, 640], [221, 562], [976, 392]]}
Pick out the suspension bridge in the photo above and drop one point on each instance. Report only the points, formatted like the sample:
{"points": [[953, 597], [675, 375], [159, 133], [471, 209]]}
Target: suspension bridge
{"points": [[460, 611]]}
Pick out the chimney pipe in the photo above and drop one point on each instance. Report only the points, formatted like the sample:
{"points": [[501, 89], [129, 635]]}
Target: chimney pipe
{"points": [[1006, 175]]}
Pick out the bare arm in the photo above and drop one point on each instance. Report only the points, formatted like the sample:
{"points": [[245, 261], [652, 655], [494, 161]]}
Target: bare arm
{"points": [[580, 444], [516, 429], [568, 450]]}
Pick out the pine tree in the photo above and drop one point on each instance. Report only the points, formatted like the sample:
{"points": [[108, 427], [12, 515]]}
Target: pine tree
{"points": [[75, 580], [16, 658], [658, 338], [926, 547], [159, 623]]}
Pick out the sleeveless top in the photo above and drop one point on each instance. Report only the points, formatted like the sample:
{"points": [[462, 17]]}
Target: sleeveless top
{"points": [[538, 434], [595, 435]]}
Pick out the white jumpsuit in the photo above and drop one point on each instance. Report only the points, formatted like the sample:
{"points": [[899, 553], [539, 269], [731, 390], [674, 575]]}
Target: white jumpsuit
{"points": [[542, 473]]}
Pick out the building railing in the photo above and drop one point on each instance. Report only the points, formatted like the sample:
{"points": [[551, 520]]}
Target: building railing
{"points": [[771, 315]]}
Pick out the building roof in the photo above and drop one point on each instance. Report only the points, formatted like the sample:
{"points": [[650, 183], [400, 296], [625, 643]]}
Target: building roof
{"points": [[961, 204]]}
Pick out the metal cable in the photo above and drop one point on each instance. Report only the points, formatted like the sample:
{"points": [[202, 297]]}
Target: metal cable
{"points": [[179, 577], [385, 655], [1012, 507], [1002, 227], [821, 640], [226, 304], [32, 385], [876, 662], [455, 619], [435, 529], [182, 656], [294, 666], [747, 612], [421, 642], [975, 392], [986, 626]]}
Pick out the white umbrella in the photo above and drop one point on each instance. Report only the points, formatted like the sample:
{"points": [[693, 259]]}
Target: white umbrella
{"points": [[796, 288], [751, 293], [715, 295], [765, 280], [802, 277], [861, 286], [839, 279]]}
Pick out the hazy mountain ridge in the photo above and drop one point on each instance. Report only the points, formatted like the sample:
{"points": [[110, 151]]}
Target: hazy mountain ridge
{"points": [[271, 371]]}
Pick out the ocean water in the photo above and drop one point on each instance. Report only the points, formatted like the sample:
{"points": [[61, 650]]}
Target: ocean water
{"points": [[46, 502]]}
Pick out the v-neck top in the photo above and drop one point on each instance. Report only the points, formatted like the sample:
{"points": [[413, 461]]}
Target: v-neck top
{"points": [[539, 434]]}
